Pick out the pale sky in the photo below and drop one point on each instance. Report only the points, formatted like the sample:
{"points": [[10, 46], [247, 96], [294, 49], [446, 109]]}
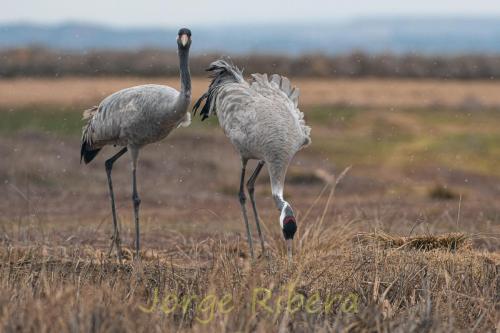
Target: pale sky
{"points": [[147, 13]]}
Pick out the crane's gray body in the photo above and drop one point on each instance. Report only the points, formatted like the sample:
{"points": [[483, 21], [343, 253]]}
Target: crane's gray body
{"points": [[260, 118], [136, 116], [263, 122]]}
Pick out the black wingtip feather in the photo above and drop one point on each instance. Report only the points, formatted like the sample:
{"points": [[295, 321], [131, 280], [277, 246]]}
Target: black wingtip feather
{"points": [[205, 110], [198, 103], [87, 154]]}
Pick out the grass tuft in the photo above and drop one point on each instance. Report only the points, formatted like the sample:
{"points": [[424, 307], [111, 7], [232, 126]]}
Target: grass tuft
{"points": [[446, 242]]}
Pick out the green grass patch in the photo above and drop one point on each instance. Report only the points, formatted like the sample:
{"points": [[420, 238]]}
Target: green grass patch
{"points": [[457, 139], [332, 116], [51, 120], [62, 121], [470, 151]]}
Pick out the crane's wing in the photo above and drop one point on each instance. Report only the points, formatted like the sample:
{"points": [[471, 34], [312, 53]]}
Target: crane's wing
{"points": [[128, 106]]}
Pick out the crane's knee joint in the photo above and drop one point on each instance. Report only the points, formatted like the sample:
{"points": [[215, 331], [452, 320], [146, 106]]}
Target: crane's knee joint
{"points": [[136, 200], [242, 197], [109, 165]]}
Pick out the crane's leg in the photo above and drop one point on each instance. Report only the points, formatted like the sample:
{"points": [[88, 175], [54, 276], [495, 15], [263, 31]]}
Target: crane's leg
{"points": [[243, 199], [251, 191], [115, 239], [135, 198]]}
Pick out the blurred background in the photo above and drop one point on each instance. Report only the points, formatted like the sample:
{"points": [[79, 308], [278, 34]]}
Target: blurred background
{"points": [[405, 93]]}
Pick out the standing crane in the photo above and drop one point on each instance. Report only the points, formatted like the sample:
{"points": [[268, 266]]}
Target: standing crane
{"points": [[262, 121], [133, 118]]}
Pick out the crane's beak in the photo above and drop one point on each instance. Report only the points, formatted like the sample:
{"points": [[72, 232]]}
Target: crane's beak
{"points": [[289, 249], [184, 39]]}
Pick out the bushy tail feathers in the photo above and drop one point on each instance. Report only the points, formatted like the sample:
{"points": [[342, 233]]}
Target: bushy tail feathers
{"points": [[221, 72], [292, 94]]}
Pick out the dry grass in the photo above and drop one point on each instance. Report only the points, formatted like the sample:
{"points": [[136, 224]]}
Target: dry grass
{"points": [[359, 287], [446, 242], [336, 282], [362, 92]]}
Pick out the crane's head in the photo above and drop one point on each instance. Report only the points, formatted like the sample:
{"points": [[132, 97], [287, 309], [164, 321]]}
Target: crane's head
{"points": [[184, 38], [288, 225]]}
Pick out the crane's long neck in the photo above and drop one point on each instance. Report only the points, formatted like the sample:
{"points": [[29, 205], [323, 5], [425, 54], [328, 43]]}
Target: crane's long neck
{"points": [[185, 95]]}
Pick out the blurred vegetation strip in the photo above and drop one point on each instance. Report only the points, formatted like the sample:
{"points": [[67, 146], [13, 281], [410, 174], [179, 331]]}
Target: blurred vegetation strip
{"points": [[59, 120], [41, 62], [56, 120]]}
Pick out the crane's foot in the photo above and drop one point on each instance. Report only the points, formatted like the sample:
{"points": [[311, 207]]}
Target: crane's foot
{"points": [[137, 255], [252, 255], [115, 239], [264, 255], [111, 246]]}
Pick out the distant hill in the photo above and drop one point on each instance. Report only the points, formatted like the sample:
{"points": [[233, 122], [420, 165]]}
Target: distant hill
{"points": [[395, 35]]}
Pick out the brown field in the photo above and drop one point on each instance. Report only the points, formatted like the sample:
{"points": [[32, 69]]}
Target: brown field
{"points": [[360, 92], [409, 241]]}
